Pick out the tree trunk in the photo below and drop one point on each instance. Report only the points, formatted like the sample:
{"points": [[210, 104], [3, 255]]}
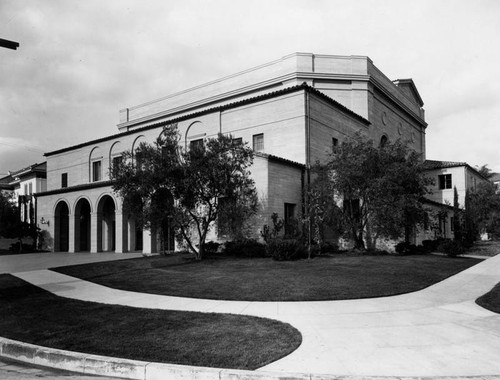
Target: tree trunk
{"points": [[358, 239]]}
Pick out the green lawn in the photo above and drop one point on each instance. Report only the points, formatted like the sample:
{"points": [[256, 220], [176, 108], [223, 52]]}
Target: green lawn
{"points": [[33, 315], [491, 300], [323, 278]]}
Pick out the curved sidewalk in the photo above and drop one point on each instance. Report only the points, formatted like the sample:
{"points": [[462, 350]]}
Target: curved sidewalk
{"points": [[438, 331]]}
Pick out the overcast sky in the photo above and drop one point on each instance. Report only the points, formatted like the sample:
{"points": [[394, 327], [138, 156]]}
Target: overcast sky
{"points": [[79, 62]]}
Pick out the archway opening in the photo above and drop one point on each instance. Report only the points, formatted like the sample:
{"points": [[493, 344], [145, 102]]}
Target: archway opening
{"points": [[162, 209], [82, 226], [61, 227], [106, 224]]}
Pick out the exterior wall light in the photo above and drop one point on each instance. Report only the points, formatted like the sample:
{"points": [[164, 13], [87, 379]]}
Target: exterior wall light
{"points": [[43, 221]]}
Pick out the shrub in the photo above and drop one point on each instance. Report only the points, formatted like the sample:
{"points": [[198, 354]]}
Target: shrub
{"points": [[430, 245], [211, 247], [405, 248], [286, 249], [14, 247], [329, 247], [375, 252], [245, 248], [267, 233], [452, 248]]}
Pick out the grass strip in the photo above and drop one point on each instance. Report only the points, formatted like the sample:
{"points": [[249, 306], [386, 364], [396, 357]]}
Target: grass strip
{"points": [[227, 278], [491, 300], [33, 315]]}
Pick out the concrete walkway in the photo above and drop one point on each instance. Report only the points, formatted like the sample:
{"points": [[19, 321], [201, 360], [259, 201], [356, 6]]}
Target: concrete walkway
{"points": [[438, 331]]}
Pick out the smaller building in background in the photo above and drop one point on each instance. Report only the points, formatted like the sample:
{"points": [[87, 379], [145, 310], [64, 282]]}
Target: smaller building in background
{"points": [[495, 179], [448, 175], [438, 222], [24, 184], [5, 185]]}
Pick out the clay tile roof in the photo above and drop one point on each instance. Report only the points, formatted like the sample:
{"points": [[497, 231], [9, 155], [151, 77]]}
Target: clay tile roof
{"points": [[434, 164]]}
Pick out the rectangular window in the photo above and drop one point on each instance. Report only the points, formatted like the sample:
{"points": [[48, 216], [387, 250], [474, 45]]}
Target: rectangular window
{"points": [[444, 181], [116, 162], [238, 140], [64, 180], [258, 142], [335, 144], [139, 159], [30, 188], [96, 171], [25, 189], [196, 144]]}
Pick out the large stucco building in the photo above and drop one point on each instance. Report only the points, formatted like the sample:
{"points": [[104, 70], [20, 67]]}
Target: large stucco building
{"points": [[292, 111]]}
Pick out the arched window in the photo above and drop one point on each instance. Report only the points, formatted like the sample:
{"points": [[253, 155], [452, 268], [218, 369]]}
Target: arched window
{"points": [[383, 141], [115, 156], [138, 140], [95, 164], [195, 135]]}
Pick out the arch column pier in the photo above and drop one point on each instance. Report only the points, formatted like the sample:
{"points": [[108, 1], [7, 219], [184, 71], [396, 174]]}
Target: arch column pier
{"points": [[94, 231], [149, 241], [146, 241], [71, 234], [121, 232], [131, 234]]}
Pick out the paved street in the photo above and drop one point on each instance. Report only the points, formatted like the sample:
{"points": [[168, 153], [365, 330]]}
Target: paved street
{"points": [[438, 331]]}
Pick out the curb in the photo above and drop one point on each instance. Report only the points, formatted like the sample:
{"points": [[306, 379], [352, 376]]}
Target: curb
{"points": [[140, 370]]}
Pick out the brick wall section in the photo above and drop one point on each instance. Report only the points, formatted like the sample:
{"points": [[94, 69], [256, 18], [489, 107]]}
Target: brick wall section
{"points": [[393, 122], [329, 122], [284, 187], [281, 120]]}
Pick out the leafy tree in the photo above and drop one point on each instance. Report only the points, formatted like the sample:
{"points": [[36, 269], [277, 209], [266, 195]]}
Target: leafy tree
{"points": [[457, 216], [483, 210], [470, 230], [9, 215], [321, 212], [269, 234], [171, 188], [11, 225], [485, 171], [380, 188]]}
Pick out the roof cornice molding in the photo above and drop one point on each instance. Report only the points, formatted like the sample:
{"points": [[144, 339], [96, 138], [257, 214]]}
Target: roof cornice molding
{"points": [[255, 99], [87, 186], [390, 96], [437, 165], [243, 91]]}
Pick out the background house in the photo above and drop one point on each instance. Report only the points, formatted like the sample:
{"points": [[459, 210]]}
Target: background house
{"points": [[448, 175], [23, 184]]}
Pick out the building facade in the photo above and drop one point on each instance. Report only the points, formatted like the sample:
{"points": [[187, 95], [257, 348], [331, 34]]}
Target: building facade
{"points": [[23, 184], [447, 176], [292, 112]]}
